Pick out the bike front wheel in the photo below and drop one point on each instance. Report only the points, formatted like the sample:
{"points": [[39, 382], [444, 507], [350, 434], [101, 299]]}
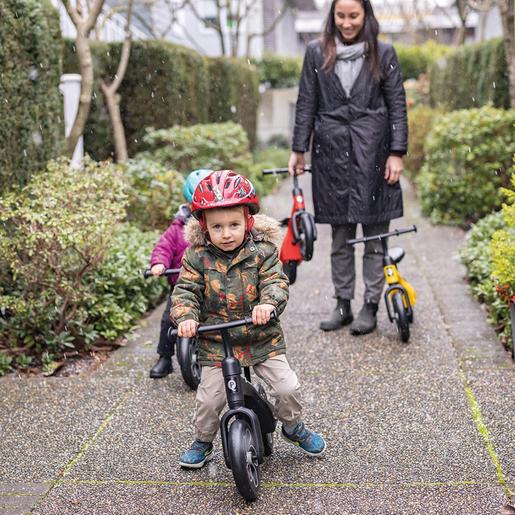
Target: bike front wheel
{"points": [[307, 236], [290, 269], [401, 317], [244, 459], [187, 356]]}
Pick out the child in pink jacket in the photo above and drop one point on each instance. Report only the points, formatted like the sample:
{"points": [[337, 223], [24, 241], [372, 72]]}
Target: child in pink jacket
{"points": [[168, 254]]}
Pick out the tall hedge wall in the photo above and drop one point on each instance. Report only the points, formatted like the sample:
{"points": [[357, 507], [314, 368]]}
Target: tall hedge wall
{"points": [[167, 85], [31, 107], [472, 76]]}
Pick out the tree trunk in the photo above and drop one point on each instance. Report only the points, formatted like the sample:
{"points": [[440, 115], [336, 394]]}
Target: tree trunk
{"points": [[113, 105], [508, 22], [86, 90]]}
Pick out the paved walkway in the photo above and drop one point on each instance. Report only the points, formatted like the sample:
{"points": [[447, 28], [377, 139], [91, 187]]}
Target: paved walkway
{"points": [[420, 428]]}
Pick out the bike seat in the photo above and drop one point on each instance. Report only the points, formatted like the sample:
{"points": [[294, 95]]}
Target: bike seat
{"points": [[396, 254]]}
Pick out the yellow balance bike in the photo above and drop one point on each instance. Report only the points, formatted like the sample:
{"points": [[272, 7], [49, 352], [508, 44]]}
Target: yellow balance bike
{"points": [[399, 296]]}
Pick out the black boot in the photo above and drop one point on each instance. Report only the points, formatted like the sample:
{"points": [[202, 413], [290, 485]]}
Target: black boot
{"points": [[162, 368], [342, 315], [366, 321]]}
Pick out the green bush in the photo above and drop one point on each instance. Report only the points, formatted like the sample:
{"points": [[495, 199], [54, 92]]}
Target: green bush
{"points": [[154, 193], [167, 85], [279, 71], [53, 234], [234, 94], [420, 122], [468, 155], [416, 59], [31, 107], [216, 146], [472, 76], [477, 256], [119, 294]]}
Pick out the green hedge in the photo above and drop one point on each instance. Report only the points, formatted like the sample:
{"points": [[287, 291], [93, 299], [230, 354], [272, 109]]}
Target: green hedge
{"points": [[279, 71], [477, 256], [472, 76], [468, 158], [167, 85], [417, 59], [31, 107]]}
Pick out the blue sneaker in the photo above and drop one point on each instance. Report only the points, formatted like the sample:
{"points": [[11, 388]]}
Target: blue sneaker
{"points": [[197, 455], [309, 442]]}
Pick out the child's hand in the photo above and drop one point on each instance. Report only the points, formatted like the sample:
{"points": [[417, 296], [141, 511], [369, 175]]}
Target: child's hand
{"points": [[187, 329], [157, 269], [261, 313]]}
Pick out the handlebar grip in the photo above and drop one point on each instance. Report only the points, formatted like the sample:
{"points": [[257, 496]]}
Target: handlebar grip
{"points": [[275, 171], [169, 271]]}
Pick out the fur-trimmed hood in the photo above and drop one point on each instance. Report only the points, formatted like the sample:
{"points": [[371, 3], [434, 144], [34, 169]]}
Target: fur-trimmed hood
{"points": [[265, 229]]}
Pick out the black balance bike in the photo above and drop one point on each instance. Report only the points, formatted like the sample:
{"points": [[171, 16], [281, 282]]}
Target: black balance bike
{"points": [[301, 234], [400, 296], [186, 352], [248, 426]]}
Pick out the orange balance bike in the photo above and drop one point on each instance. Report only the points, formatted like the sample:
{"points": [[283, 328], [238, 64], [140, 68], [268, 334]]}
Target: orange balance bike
{"points": [[301, 234]]}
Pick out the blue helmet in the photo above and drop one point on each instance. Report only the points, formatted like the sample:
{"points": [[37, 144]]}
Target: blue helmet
{"points": [[192, 181]]}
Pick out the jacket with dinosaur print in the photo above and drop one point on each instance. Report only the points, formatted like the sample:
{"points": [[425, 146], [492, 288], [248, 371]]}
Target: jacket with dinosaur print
{"points": [[215, 287]]}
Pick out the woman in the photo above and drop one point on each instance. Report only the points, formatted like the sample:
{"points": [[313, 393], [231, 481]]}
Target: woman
{"points": [[352, 100]]}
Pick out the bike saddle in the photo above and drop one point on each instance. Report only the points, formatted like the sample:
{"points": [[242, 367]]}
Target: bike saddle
{"points": [[396, 254]]}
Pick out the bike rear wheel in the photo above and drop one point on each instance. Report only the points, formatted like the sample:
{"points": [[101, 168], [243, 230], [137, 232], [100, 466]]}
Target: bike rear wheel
{"points": [[307, 236], [401, 317], [244, 459], [187, 356]]}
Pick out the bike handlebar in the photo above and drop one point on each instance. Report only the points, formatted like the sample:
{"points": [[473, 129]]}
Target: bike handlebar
{"points": [[274, 171], [169, 271], [224, 325], [395, 232]]}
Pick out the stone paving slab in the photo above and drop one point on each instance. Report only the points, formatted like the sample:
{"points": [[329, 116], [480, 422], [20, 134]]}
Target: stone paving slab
{"points": [[137, 498], [17, 498]]}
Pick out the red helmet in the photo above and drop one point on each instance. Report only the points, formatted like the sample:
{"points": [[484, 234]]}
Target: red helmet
{"points": [[224, 188]]}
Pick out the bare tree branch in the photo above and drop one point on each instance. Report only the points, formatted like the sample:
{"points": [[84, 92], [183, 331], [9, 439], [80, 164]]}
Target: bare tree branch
{"points": [[282, 11]]}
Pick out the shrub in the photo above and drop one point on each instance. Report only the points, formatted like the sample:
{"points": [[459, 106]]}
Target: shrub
{"points": [[119, 294], [472, 76], [279, 71], [53, 234], [477, 257], [154, 193], [468, 155], [416, 59], [217, 146], [31, 107], [420, 122]]}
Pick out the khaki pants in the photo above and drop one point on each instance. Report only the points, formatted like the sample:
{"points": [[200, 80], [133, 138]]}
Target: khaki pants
{"points": [[275, 372]]}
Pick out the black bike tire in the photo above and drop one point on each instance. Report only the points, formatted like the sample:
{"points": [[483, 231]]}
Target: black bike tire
{"points": [[307, 235], [401, 317], [241, 443], [186, 356], [290, 269]]}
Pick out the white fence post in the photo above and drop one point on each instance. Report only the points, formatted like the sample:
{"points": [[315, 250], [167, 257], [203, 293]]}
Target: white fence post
{"points": [[70, 88]]}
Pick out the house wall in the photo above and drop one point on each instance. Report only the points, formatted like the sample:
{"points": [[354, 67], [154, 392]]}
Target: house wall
{"points": [[276, 114]]}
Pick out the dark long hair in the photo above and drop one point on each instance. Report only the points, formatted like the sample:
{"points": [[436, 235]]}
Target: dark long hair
{"points": [[368, 34]]}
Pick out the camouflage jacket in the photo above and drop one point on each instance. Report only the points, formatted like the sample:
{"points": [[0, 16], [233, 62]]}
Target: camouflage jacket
{"points": [[214, 287]]}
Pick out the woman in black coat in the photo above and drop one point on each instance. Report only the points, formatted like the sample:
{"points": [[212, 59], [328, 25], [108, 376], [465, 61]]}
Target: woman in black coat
{"points": [[352, 101]]}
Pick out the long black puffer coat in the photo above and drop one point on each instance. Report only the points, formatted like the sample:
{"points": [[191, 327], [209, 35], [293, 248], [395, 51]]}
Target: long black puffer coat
{"points": [[352, 138]]}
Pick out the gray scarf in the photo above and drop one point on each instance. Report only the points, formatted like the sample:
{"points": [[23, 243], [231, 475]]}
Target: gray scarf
{"points": [[349, 60]]}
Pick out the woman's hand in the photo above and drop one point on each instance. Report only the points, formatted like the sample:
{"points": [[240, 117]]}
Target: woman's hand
{"points": [[187, 329], [157, 269], [393, 169], [296, 162], [261, 313]]}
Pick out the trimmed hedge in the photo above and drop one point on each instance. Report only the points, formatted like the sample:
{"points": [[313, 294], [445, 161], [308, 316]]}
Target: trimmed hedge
{"points": [[167, 85], [279, 71], [31, 107], [472, 76], [417, 59], [468, 158]]}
